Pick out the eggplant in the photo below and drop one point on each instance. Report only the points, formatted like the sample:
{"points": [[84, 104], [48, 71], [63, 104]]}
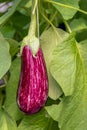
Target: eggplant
{"points": [[32, 91]]}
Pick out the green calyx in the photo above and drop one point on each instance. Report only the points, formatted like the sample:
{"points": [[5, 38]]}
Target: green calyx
{"points": [[31, 40]]}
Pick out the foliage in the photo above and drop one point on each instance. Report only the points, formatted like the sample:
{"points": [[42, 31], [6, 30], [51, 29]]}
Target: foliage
{"points": [[63, 38]]}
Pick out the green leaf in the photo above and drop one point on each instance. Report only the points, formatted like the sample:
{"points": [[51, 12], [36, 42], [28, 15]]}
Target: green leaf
{"points": [[62, 66], [66, 7], [8, 14], [71, 113], [82, 4], [14, 47], [78, 24], [7, 31], [11, 90], [6, 122], [39, 121], [5, 59], [21, 27], [81, 35], [49, 41]]}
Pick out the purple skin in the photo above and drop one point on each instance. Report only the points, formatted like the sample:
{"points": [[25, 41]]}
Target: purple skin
{"points": [[33, 85]]}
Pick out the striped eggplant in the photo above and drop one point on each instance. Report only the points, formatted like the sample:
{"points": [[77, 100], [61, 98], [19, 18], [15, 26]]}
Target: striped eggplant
{"points": [[33, 84]]}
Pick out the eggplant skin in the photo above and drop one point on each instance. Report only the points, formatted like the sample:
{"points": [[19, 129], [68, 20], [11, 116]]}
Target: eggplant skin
{"points": [[33, 84]]}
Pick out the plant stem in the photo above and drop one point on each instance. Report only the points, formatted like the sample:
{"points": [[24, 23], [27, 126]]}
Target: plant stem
{"points": [[51, 20], [54, 28], [33, 24], [31, 39], [67, 26], [37, 17], [47, 20]]}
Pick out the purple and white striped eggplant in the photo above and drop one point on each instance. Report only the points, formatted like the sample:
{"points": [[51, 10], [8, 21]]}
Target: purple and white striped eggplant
{"points": [[33, 85]]}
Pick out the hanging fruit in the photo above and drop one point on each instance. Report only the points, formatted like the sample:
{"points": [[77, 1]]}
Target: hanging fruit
{"points": [[33, 84]]}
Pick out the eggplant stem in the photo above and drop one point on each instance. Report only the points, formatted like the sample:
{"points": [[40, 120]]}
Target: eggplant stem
{"points": [[34, 14]]}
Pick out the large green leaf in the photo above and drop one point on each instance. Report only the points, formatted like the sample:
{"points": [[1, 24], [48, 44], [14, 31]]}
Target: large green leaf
{"points": [[39, 121], [49, 41], [67, 8], [11, 90], [6, 122], [71, 113], [5, 58], [63, 67]]}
